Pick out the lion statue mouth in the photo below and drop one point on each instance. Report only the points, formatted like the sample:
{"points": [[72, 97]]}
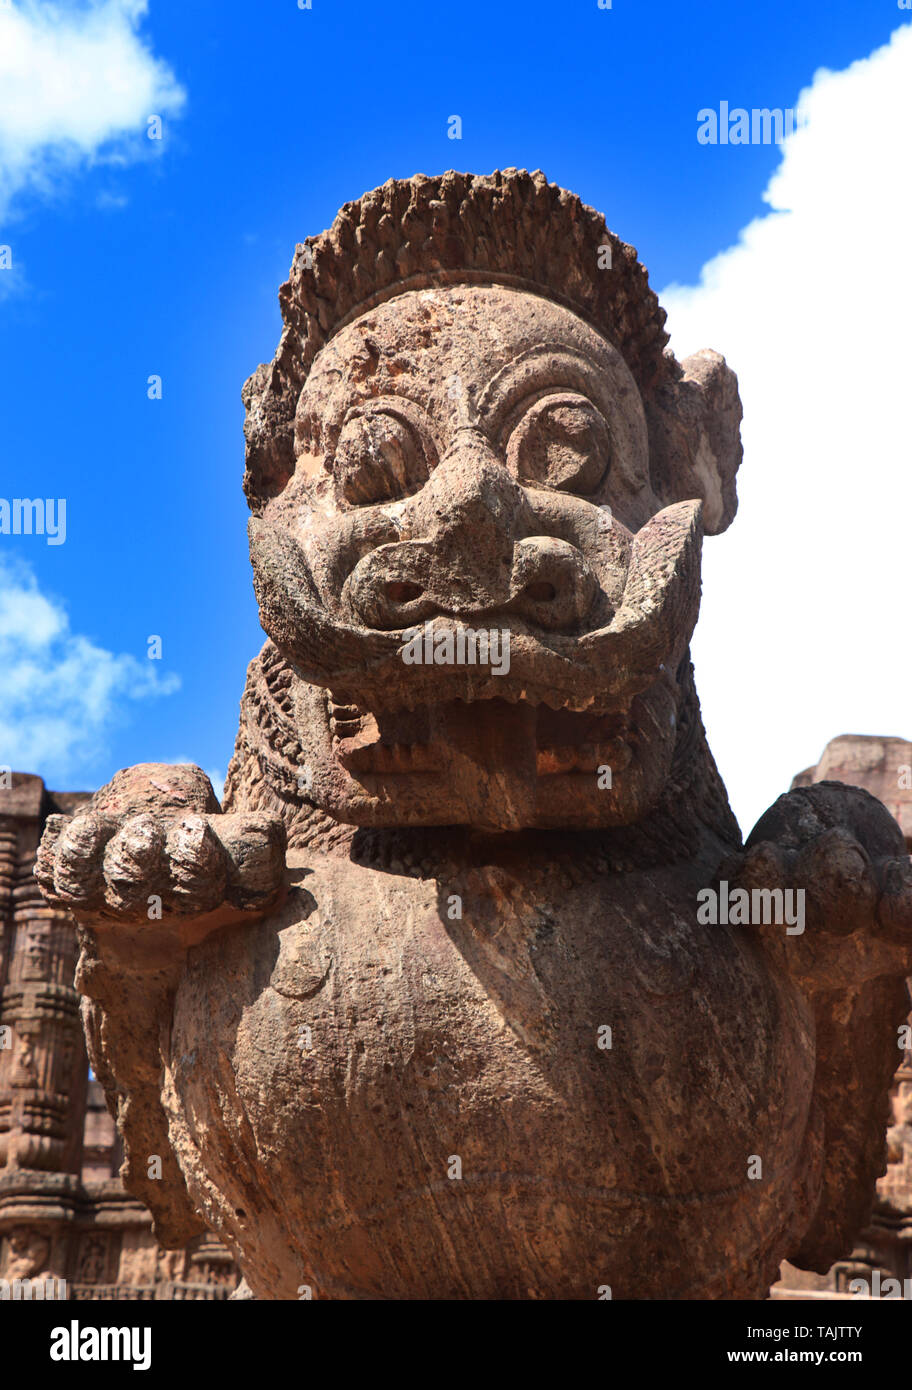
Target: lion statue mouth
{"points": [[535, 735], [598, 671]]}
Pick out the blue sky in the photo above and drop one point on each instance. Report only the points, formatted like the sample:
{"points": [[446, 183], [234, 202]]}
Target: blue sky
{"points": [[134, 257]]}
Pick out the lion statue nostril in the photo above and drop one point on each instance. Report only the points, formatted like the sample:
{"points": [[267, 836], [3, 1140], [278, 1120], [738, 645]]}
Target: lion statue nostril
{"points": [[540, 591], [398, 591]]}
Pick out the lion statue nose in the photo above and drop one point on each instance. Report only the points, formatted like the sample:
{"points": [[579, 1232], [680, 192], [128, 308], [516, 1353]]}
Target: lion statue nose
{"points": [[553, 586], [472, 552]]}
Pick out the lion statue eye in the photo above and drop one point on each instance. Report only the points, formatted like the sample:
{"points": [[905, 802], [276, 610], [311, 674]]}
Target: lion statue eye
{"points": [[378, 458], [562, 442]]}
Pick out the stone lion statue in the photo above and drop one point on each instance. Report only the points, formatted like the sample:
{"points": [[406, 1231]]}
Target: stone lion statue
{"points": [[427, 1008]]}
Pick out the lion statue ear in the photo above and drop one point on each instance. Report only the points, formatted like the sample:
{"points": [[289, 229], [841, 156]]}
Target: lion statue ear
{"points": [[694, 420]]}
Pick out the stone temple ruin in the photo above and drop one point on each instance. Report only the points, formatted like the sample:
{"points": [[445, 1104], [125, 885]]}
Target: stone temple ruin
{"points": [[883, 1250], [64, 1213], [425, 1008]]}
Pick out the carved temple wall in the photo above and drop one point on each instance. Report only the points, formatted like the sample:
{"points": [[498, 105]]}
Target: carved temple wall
{"points": [[64, 1213]]}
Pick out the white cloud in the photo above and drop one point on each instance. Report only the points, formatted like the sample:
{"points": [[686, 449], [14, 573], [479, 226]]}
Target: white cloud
{"points": [[77, 85], [805, 631], [59, 693]]}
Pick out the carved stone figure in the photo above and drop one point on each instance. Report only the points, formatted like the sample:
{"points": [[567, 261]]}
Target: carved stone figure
{"points": [[899, 1136], [427, 1008], [27, 1254]]}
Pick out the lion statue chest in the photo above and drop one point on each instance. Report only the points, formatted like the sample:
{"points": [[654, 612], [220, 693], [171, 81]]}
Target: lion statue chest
{"points": [[504, 1085]]}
